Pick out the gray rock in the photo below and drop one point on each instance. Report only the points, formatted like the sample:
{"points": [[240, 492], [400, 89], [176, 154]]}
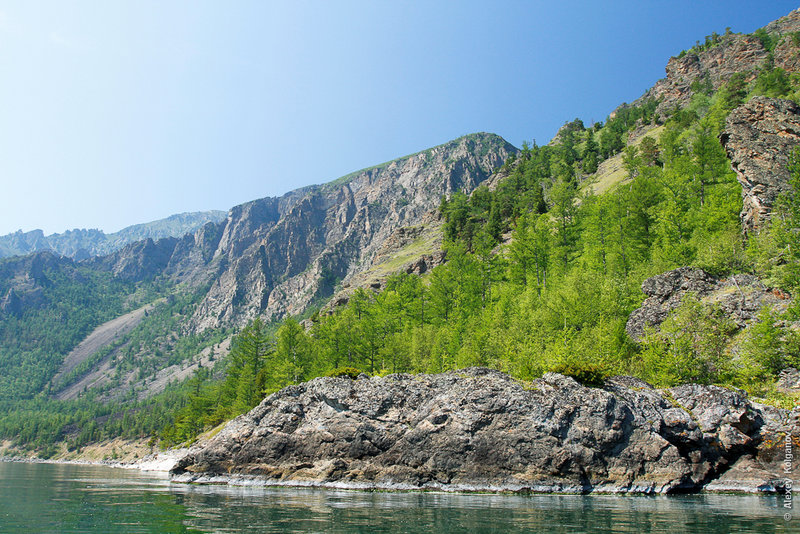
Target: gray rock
{"points": [[740, 297], [789, 379], [759, 137], [480, 429], [665, 292]]}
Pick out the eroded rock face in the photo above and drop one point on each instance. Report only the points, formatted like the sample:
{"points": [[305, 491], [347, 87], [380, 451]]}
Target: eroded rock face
{"points": [[740, 297], [759, 138], [276, 256], [24, 278], [478, 428], [715, 66]]}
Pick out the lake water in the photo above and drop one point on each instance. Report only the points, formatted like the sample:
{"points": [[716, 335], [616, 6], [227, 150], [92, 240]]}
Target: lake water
{"points": [[75, 498]]}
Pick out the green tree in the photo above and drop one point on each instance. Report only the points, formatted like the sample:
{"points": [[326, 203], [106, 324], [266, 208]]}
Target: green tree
{"points": [[292, 361]]}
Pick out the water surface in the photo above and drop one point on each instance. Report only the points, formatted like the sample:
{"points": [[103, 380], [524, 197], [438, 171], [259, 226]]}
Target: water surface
{"points": [[77, 498]]}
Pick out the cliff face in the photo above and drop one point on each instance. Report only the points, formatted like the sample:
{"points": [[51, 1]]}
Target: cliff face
{"points": [[276, 256], [759, 138], [23, 281], [480, 429]]}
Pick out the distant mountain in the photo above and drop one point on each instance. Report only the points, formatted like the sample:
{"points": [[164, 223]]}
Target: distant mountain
{"points": [[81, 243]]}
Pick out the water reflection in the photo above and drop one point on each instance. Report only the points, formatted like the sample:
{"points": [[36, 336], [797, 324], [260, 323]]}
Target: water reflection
{"points": [[69, 498]]}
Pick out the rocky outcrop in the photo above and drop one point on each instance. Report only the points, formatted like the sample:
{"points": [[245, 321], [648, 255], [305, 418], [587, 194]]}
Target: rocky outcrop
{"points": [[740, 297], [23, 281], [759, 138], [789, 380], [480, 429], [143, 260], [714, 65]]}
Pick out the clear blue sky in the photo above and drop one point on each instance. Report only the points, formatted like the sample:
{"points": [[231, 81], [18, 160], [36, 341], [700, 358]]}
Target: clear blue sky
{"points": [[119, 112]]}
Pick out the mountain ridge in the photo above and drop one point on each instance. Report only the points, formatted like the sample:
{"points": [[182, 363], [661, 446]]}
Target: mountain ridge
{"points": [[82, 243]]}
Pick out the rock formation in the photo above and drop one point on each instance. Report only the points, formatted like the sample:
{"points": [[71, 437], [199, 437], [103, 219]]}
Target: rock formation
{"points": [[23, 280], [741, 297], [759, 138], [480, 429], [714, 65]]}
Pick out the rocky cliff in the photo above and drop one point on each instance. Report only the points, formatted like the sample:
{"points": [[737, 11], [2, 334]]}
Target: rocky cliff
{"points": [[24, 279], [711, 65], [741, 297], [275, 256], [759, 138], [480, 429]]}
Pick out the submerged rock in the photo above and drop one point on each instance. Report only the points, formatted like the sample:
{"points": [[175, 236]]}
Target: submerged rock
{"points": [[480, 429]]}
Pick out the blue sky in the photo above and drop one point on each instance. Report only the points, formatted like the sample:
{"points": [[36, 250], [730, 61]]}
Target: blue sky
{"points": [[120, 112]]}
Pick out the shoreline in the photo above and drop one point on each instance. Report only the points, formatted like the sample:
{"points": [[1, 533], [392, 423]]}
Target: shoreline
{"points": [[163, 462], [156, 462], [243, 480]]}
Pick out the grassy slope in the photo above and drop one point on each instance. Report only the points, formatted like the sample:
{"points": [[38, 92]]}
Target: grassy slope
{"points": [[611, 172]]}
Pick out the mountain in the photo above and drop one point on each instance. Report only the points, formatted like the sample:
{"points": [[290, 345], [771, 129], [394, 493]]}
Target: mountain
{"points": [[276, 256], [81, 243]]}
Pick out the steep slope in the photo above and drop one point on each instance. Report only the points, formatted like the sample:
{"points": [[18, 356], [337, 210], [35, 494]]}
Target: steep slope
{"points": [[81, 243], [276, 256]]}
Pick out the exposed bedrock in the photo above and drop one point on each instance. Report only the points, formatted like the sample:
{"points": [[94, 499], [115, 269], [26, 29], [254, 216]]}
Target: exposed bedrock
{"points": [[741, 297], [759, 138], [480, 429]]}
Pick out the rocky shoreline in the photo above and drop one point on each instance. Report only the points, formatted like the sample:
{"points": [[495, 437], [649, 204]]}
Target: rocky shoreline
{"points": [[480, 430]]}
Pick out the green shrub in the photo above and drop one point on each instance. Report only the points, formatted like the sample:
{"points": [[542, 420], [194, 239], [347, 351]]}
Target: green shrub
{"points": [[586, 373], [691, 345], [349, 372]]}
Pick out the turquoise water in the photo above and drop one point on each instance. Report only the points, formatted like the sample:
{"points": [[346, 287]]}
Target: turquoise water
{"points": [[74, 498]]}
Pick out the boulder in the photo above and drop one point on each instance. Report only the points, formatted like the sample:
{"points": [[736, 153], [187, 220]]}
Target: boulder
{"points": [[741, 297]]}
